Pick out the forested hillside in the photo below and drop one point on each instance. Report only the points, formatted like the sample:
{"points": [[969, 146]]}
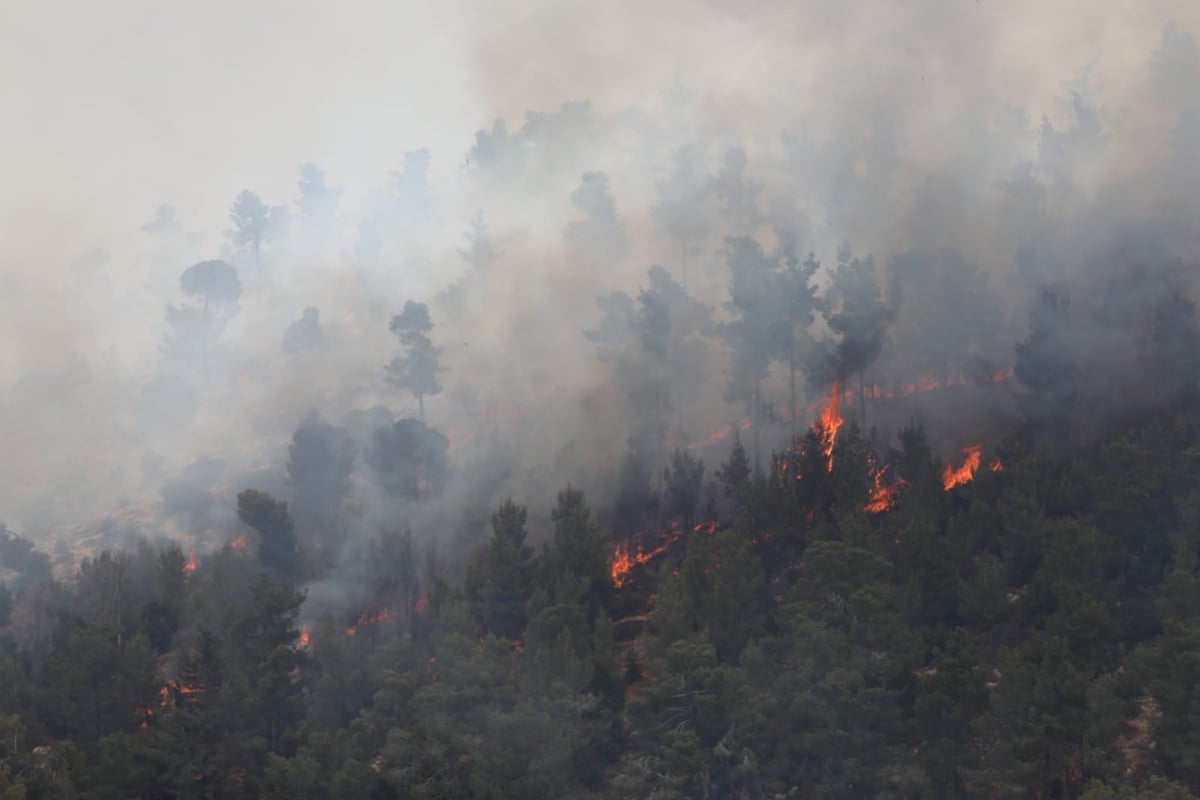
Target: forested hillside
{"points": [[827, 429], [1031, 630]]}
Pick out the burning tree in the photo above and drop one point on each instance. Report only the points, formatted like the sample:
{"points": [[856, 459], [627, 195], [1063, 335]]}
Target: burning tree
{"points": [[857, 313]]}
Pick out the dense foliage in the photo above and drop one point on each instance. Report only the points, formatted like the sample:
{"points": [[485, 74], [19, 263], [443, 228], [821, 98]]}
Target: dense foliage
{"points": [[1031, 632]]}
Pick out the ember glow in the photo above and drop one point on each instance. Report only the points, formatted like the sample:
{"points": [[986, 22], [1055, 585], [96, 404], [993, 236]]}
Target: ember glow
{"points": [[926, 383], [302, 643], [239, 543], [957, 475], [190, 566], [369, 618]]}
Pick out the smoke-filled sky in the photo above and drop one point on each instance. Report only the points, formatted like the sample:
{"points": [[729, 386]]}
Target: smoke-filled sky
{"points": [[113, 109]]}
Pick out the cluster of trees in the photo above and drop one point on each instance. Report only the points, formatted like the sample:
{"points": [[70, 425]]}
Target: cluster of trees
{"points": [[1034, 632]]}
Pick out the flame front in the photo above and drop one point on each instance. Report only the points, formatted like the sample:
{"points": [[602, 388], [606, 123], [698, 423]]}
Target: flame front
{"points": [[304, 638], [625, 558], [956, 476], [190, 566], [634, 551]]}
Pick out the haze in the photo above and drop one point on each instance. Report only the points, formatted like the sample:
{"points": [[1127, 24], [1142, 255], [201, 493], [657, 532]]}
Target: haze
{"points": [[117, 109]]}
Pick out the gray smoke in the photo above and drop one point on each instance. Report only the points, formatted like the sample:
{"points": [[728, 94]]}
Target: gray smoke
{"points": [[520, 173]]}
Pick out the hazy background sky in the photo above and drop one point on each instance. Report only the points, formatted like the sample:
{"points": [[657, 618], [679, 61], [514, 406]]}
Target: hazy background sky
{"points": [[112, 109]]}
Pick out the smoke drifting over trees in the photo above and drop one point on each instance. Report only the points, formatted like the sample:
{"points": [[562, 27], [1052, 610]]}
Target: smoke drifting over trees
{"points": [[637, 278], [889, 239]]}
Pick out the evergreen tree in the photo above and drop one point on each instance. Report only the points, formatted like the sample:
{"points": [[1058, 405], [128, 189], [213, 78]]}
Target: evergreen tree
{"points": [[278, 549], [255, 226], [416, 368], [498, 579]]}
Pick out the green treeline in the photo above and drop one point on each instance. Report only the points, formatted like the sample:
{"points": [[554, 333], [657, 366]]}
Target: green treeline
{"points": [[1032, 633]]}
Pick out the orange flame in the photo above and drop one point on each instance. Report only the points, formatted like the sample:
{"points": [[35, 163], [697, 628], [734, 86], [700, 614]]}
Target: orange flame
{"points": [[164, 697], [190, 566], [304, 638], [369, 618], [239, 543], [883, 495], [920, 385], [830, 421], [634, 551], [422, 604], [956, 476], [997, 466]]}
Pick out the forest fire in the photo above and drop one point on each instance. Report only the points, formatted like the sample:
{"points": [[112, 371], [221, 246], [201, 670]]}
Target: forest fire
{"points": [[239, 543], [369, 618], [922, 385], [884, 495], [634, 551], [929, 384], [374, 617], [190, 566], [830, 421], [165, 694], [957, 475], [302, 643]]}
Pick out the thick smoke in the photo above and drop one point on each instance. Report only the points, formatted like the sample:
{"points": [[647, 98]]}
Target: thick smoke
{"points": [[579, 242]]}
